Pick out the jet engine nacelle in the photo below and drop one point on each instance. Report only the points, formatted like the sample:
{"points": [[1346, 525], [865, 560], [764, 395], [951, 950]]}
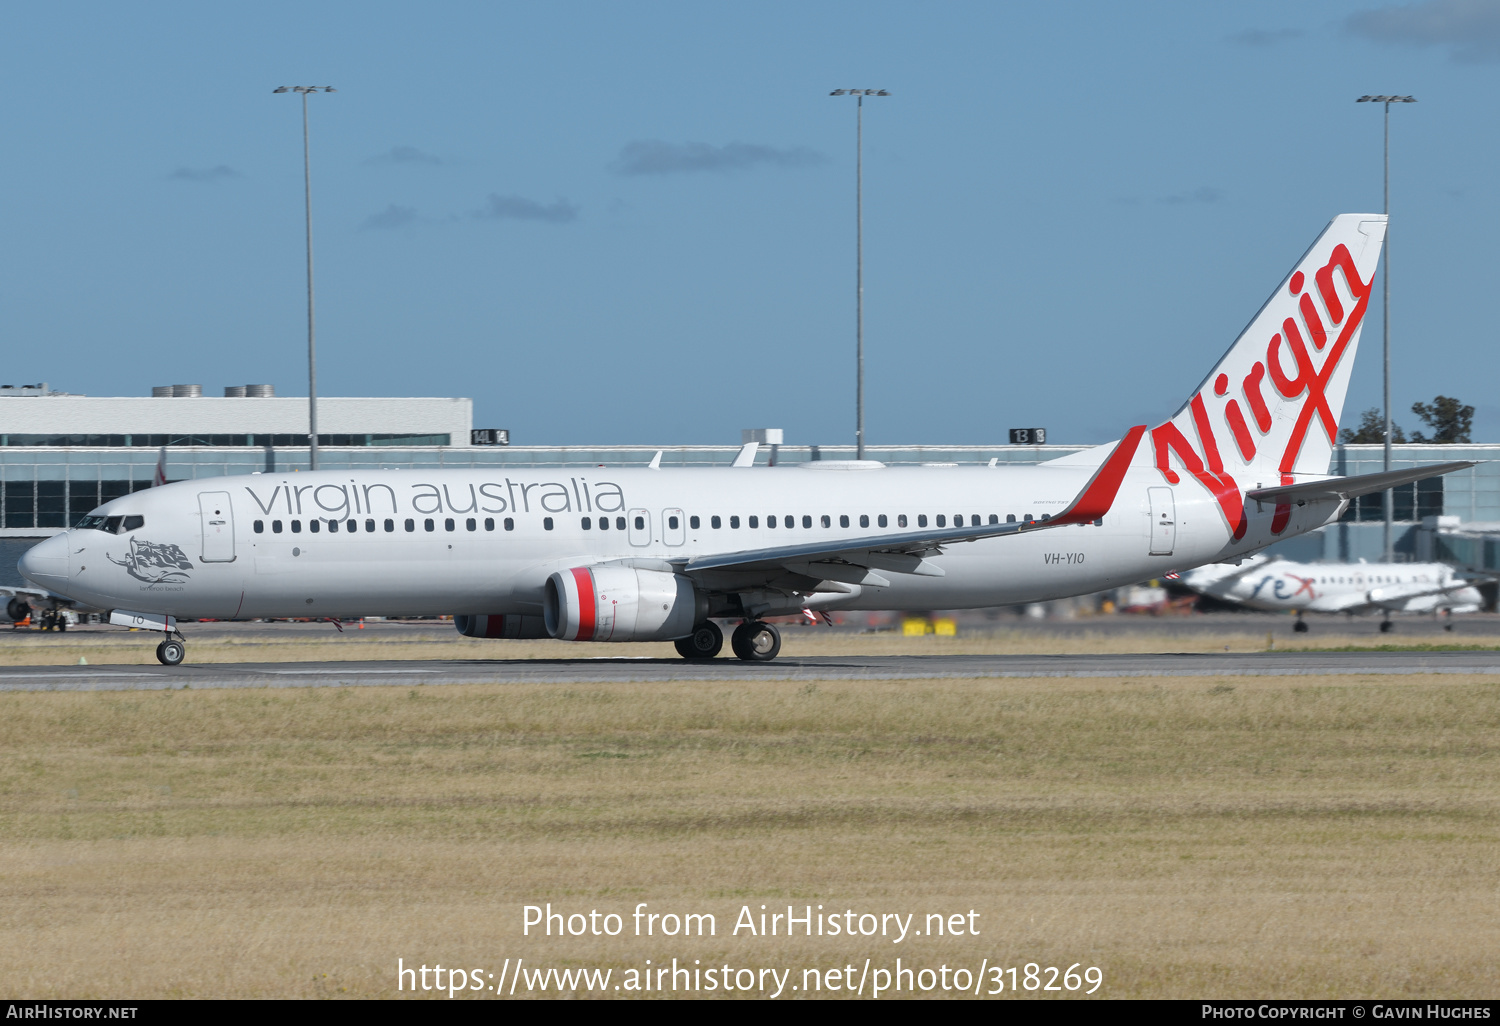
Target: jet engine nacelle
{"points": [[620, 603], [501, 625]]}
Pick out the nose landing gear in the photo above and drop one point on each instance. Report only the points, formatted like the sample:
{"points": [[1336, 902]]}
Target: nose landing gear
{"points": [[171, 652], [1300, 627]]}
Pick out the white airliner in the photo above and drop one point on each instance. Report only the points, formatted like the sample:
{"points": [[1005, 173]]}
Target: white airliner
{"points": [[1263, 582], [650, 554]]}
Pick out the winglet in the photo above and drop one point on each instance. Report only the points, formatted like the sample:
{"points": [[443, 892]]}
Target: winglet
{"points": [[746, 458], [655, 463], [1099, 494]]}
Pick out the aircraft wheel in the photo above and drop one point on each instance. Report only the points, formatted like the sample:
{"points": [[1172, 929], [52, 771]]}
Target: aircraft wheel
{"points": [[1447, 626], [1385, 626], [704, 643], [756, 642], [171, 653], [1300, 627]]}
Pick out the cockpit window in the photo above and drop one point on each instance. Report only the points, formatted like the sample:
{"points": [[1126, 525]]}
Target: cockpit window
{"points": [[112, 525]]}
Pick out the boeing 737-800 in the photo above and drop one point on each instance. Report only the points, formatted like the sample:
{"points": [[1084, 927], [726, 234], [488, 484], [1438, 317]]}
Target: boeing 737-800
{"points": [[649, 554]]}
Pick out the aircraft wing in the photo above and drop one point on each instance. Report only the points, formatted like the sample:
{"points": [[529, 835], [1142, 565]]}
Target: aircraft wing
{"points": [[1392, 598], [1350, 487], [855, 561]]}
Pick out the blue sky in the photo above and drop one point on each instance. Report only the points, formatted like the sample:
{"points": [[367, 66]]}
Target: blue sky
{"points": [[633, 223]]}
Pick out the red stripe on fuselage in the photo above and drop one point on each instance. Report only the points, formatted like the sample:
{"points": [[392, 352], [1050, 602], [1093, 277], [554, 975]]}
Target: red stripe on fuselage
{"points": [[585, 583]]}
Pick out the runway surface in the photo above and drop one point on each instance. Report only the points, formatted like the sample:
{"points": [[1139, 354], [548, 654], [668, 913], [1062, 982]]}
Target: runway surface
{"points": [[616, 670]]}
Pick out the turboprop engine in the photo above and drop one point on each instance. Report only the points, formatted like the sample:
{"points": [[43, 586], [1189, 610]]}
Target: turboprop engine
{"points": [[620, 603], [498, 625]]}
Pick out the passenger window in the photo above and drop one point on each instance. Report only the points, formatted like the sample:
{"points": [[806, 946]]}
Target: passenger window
{"points": [[619, 523], [260, 527], [672, 522], [770, 522], [752, 521], [276, 527], [546, 523], [1010, 518], [921, 519], [333, 527], [864, 520], [314, 526], [411, 525], [640, 524], [489, 523], [827, 520], [352, 526], [471, 524], [734, 523], [901, 520], [882, 521], [296, 527], [942, 521], [429, 525], [693, 523], [715, 523], [807, 521], [1028, 518], [843, 521], [370, 526], [134, 522], [586, 523], [448, 524], [994, 518], [510, 525], [390, 526]]}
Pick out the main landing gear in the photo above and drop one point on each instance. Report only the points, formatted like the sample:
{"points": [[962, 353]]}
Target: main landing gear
{"points": [[1299, 627], [1385, 626], [704, 643], [754, 641]]}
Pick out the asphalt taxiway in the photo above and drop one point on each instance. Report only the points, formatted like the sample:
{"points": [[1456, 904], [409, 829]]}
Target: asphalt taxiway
{"points": [[618, 670]]}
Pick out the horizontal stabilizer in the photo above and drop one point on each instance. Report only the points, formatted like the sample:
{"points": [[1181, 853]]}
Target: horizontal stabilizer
{"points": [[1351, 487]]}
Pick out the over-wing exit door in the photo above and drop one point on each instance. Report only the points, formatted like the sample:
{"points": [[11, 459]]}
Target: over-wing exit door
{"points": [[1163, 521]]}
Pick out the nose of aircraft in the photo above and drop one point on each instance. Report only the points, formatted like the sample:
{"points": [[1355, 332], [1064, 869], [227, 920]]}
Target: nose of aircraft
{"points": [[45, 564]]}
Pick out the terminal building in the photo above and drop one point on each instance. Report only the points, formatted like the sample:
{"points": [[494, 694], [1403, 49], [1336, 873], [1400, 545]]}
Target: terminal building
{"points": [[61, 455]]}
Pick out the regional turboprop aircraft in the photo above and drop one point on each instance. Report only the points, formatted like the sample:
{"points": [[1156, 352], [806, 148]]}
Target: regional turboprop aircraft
{"points": [[651, 554], [1271, 583]]}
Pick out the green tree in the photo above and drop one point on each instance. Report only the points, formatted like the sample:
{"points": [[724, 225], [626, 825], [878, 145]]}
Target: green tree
{"points": [[1371, 430], [1450, 420]]}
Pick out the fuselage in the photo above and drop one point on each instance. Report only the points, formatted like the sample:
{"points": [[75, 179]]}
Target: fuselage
{"points": [[1338, 587], [401, 542]]}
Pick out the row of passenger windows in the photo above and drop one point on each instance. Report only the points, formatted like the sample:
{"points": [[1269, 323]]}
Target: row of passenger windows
{"points": [[370, 525]]}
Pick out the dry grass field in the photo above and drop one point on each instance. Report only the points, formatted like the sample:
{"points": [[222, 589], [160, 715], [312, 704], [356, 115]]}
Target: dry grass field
{"points": [[1251, 837]]}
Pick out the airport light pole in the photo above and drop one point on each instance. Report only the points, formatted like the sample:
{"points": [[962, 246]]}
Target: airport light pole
{"points": [[312, 352], [859, 261], [1390, 496]]}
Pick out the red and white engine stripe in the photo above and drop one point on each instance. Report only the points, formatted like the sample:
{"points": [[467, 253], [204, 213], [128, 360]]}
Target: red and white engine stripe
{"points": [[578, 604]]}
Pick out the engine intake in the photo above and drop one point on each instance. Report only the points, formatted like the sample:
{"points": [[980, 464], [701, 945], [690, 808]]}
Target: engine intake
{"points": [[620, 603], [501, 625]]}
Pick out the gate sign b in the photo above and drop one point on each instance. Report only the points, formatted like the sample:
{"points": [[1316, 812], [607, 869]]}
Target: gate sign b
{"points": [[1028, 436]]}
